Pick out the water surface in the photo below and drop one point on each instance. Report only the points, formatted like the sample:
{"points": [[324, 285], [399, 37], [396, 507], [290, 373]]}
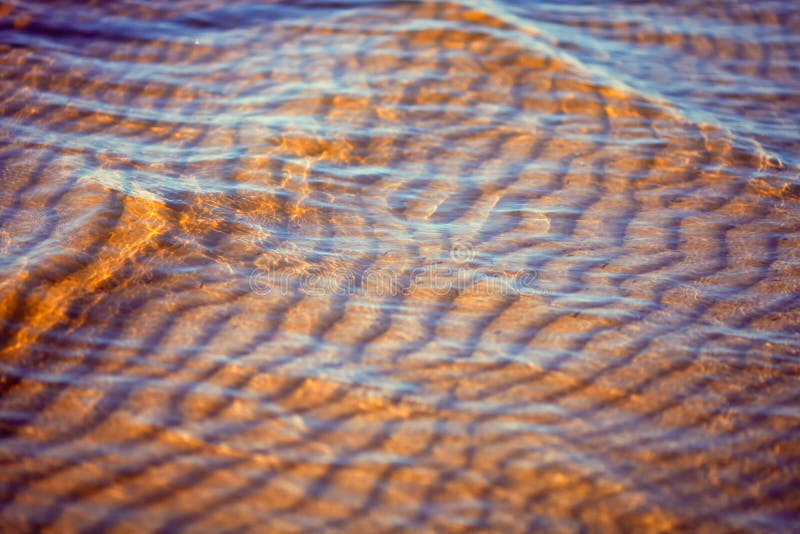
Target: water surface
{"points": [[410, 266]]}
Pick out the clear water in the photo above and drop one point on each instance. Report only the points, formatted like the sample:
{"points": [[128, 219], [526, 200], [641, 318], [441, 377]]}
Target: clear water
{"points": [[373, 266]]}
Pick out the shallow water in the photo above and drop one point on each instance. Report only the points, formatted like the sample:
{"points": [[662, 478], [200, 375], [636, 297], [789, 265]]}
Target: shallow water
{"points": [[411, 266]]}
